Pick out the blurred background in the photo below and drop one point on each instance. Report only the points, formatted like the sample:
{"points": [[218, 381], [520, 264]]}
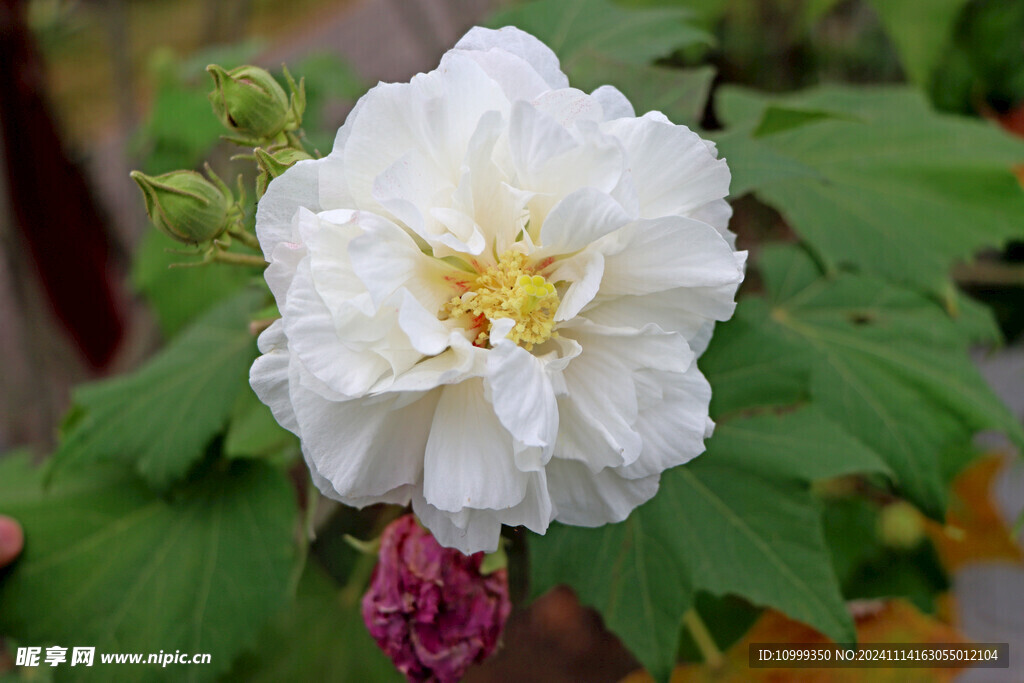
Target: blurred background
{"points": [[91, 89]]}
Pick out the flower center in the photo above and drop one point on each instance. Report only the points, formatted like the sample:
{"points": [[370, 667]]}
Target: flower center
{"points": [[509, 289]]}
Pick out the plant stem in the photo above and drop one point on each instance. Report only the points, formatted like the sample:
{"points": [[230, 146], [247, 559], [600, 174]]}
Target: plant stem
{"points": [[236, 259], [246, 238], [353, 589], [355, 586], [306, 535], [702, 637]]}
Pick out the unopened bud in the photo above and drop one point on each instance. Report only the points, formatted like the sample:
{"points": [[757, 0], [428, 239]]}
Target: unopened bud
{"points": [[900, 525], [251, 103], [186, 206], [432, 609], [273, 164]]}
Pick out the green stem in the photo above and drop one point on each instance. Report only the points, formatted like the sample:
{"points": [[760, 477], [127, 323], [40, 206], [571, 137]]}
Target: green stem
{"points": [[702, 637], [306, 535], [294, 141], [353, 589], [236, 259], [245, 237], [355, 586]]}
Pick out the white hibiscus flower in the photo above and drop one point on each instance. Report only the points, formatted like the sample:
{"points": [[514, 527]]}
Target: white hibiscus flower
{"points": [[493, 292]]}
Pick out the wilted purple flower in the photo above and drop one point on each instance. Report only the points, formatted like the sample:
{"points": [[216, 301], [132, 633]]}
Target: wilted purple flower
{"points": [[429, 608]]}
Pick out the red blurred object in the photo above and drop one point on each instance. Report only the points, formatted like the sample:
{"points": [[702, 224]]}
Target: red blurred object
{"points": [[55, 217], [1013, 120]]}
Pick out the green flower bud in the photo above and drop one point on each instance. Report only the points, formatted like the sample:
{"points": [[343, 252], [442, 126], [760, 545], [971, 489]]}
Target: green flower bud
{"points": [[900, 526], [186, 206], [273, 164], [250, 103]]}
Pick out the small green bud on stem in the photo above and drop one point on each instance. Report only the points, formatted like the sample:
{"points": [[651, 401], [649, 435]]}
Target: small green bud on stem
{"points": [[253, 105], [186, 206]]}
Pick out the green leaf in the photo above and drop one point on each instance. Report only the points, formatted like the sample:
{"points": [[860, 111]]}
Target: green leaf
{"points": [[851, 530], [887, 185], [577, 30], [743, 504], [162, 417], [631, 572], [253, 431], [754, 164], [107, 564], [727, 619], [778, 119], [792, 445], [760, 538], [889, 365], [706, 12], [181, 128], [180, 295], [752, 363], [921, 31], [316, 638]]}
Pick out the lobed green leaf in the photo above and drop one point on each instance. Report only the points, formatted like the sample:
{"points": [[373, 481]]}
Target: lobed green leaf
{"points": [[110, 565], [161, 418]]}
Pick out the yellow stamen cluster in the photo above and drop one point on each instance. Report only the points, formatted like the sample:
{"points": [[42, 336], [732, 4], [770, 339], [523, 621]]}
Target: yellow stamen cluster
{"points": [[509, 289]]}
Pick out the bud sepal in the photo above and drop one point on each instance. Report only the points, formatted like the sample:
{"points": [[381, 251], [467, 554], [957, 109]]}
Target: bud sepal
{"points": [[273, 163]]}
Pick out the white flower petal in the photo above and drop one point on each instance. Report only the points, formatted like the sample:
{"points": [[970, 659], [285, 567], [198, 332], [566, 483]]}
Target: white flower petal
{"points": [[461, 361], [536, 510], [679, 173], [435, 113], [569, 105], [665, 253], [286, 194], [269, 376], [426, 333], [363, 447], [280, 271], [613, 103], [717, 215], [410, 185], [583, 217], [521, 44], [584, 498], [673, 420], [332, 186], [553, 161], [469, 461], [522, 395], [313, 338], [469, 531], [686, 310], [534, 138], [584, 271], [386, 259], [518, 79]]}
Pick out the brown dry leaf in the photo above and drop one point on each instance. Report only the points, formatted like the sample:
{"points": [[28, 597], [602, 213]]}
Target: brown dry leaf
{"points": [[894, 621], [975, 531]]}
